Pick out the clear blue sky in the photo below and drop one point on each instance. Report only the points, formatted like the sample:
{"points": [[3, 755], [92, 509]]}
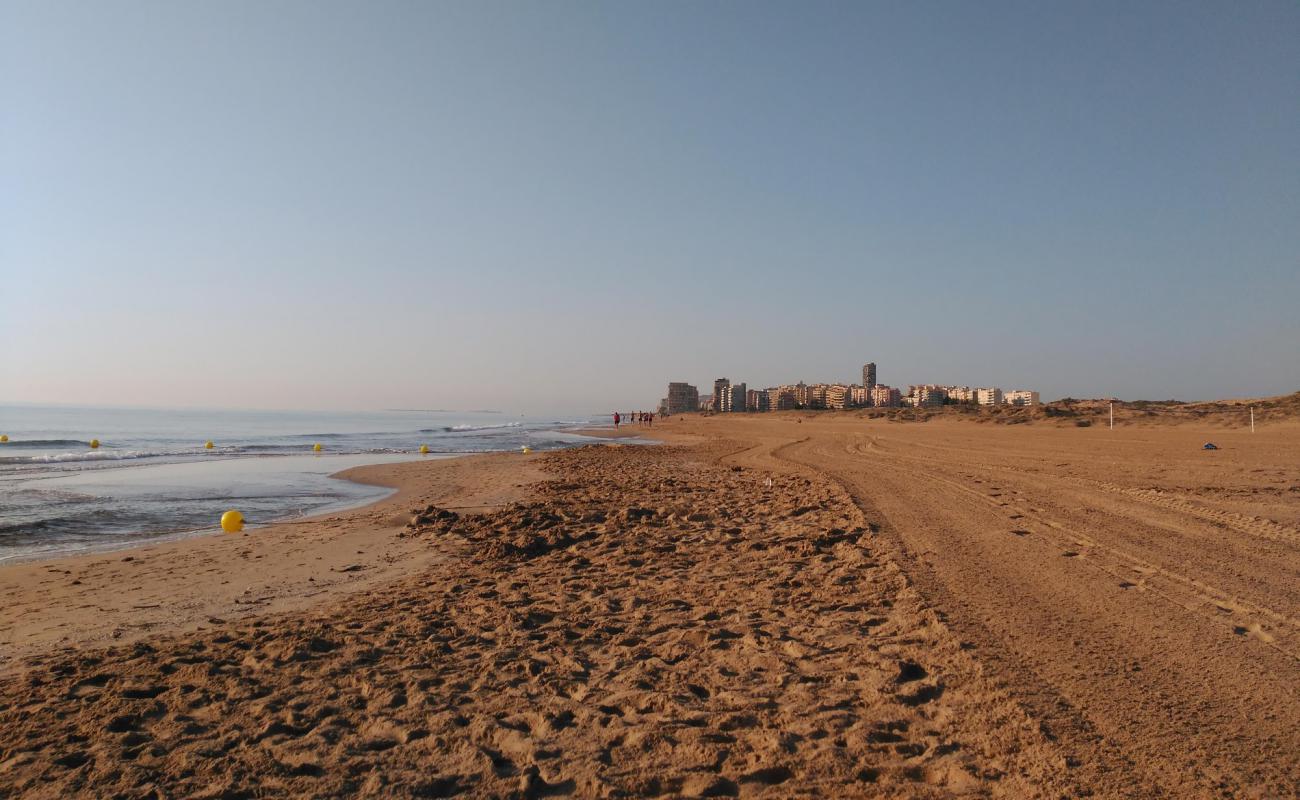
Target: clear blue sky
{"points": [[562, 206]]}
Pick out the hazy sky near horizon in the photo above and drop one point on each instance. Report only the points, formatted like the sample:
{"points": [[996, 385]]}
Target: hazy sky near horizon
{"points": [[562, 206]]}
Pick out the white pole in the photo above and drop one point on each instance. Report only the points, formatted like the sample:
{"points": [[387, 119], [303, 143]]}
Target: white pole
{"points": [[1252, 419], [1112, 415]]}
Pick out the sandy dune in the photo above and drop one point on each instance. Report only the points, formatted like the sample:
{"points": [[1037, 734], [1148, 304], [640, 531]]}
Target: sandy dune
{"points": [[907, 610]]}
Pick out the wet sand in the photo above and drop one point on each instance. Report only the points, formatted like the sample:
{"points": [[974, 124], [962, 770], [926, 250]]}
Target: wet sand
{"points": [[769, 605], [124, 595]]}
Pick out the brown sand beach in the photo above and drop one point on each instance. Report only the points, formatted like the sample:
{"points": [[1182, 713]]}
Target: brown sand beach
{"points": [[779, 605]]}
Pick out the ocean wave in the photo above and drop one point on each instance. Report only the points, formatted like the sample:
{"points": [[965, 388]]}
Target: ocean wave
{"points": [[94, 455], [315, 436], [467, 428], [47, 443]]}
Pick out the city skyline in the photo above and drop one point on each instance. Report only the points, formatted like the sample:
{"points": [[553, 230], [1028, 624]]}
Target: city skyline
{"points": [[729, 397]]}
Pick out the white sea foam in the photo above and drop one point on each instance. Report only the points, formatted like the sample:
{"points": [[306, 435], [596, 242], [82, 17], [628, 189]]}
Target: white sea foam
{"points": [[93, 455], [153, 474]]}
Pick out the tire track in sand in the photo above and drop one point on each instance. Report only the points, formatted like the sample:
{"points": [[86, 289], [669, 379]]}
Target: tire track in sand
{"points": [[1177, 696], [1271, 627]]}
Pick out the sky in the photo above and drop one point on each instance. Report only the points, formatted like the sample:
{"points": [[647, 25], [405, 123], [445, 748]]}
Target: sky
{"points": [[561, 207]]}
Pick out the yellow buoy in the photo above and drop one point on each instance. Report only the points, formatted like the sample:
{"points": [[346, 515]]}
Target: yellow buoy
{"points": [[317, 447], [4, 437], [424, 448], [527, 449], [94, 443], [208, 444], [232, 521]]}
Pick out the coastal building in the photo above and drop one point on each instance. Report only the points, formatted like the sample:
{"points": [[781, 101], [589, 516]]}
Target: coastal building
{"points": [[816, 396], [730, 398], [961, 394], [756, 400], [720, 387], [837, 396], [869, 375], [989, 396], [859, 396], [682, 398], [1021, 397], [801, 395], [782, 398], [885, 396], [929, 395]]}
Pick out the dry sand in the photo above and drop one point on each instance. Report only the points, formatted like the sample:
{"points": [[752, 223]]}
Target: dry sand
{"points": [[908, 610]]}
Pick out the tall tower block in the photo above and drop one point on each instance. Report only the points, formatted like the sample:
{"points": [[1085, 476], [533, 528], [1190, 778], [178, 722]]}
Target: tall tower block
{"points": [[869, 376]]}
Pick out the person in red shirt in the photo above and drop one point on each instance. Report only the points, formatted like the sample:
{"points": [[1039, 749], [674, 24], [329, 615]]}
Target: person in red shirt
{"points": [[617, 419]]}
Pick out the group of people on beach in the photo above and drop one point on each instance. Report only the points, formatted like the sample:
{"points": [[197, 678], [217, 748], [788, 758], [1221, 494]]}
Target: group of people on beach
{"points": [[644, 418]]}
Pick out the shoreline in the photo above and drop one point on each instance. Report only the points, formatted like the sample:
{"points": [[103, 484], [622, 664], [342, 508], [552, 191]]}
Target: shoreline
{"points": [[133, 540], [111, 597], [364, 553], [356, 473]]}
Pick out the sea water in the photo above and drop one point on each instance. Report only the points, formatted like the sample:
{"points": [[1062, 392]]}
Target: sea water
{"points": [[151, 477]]}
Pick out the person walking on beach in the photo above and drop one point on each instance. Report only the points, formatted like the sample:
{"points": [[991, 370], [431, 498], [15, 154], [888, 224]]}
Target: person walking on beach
{"points": [[617, 419]]}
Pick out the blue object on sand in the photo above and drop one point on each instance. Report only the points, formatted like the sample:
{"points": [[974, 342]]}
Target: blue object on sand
{"points": [[1209, 446]]}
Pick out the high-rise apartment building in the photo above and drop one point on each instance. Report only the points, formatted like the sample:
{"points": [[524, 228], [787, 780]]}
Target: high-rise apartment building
{"points": [[682, 398], [869, 375], [756, 400], [721, 386], [989, 396], [739, 396]]}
